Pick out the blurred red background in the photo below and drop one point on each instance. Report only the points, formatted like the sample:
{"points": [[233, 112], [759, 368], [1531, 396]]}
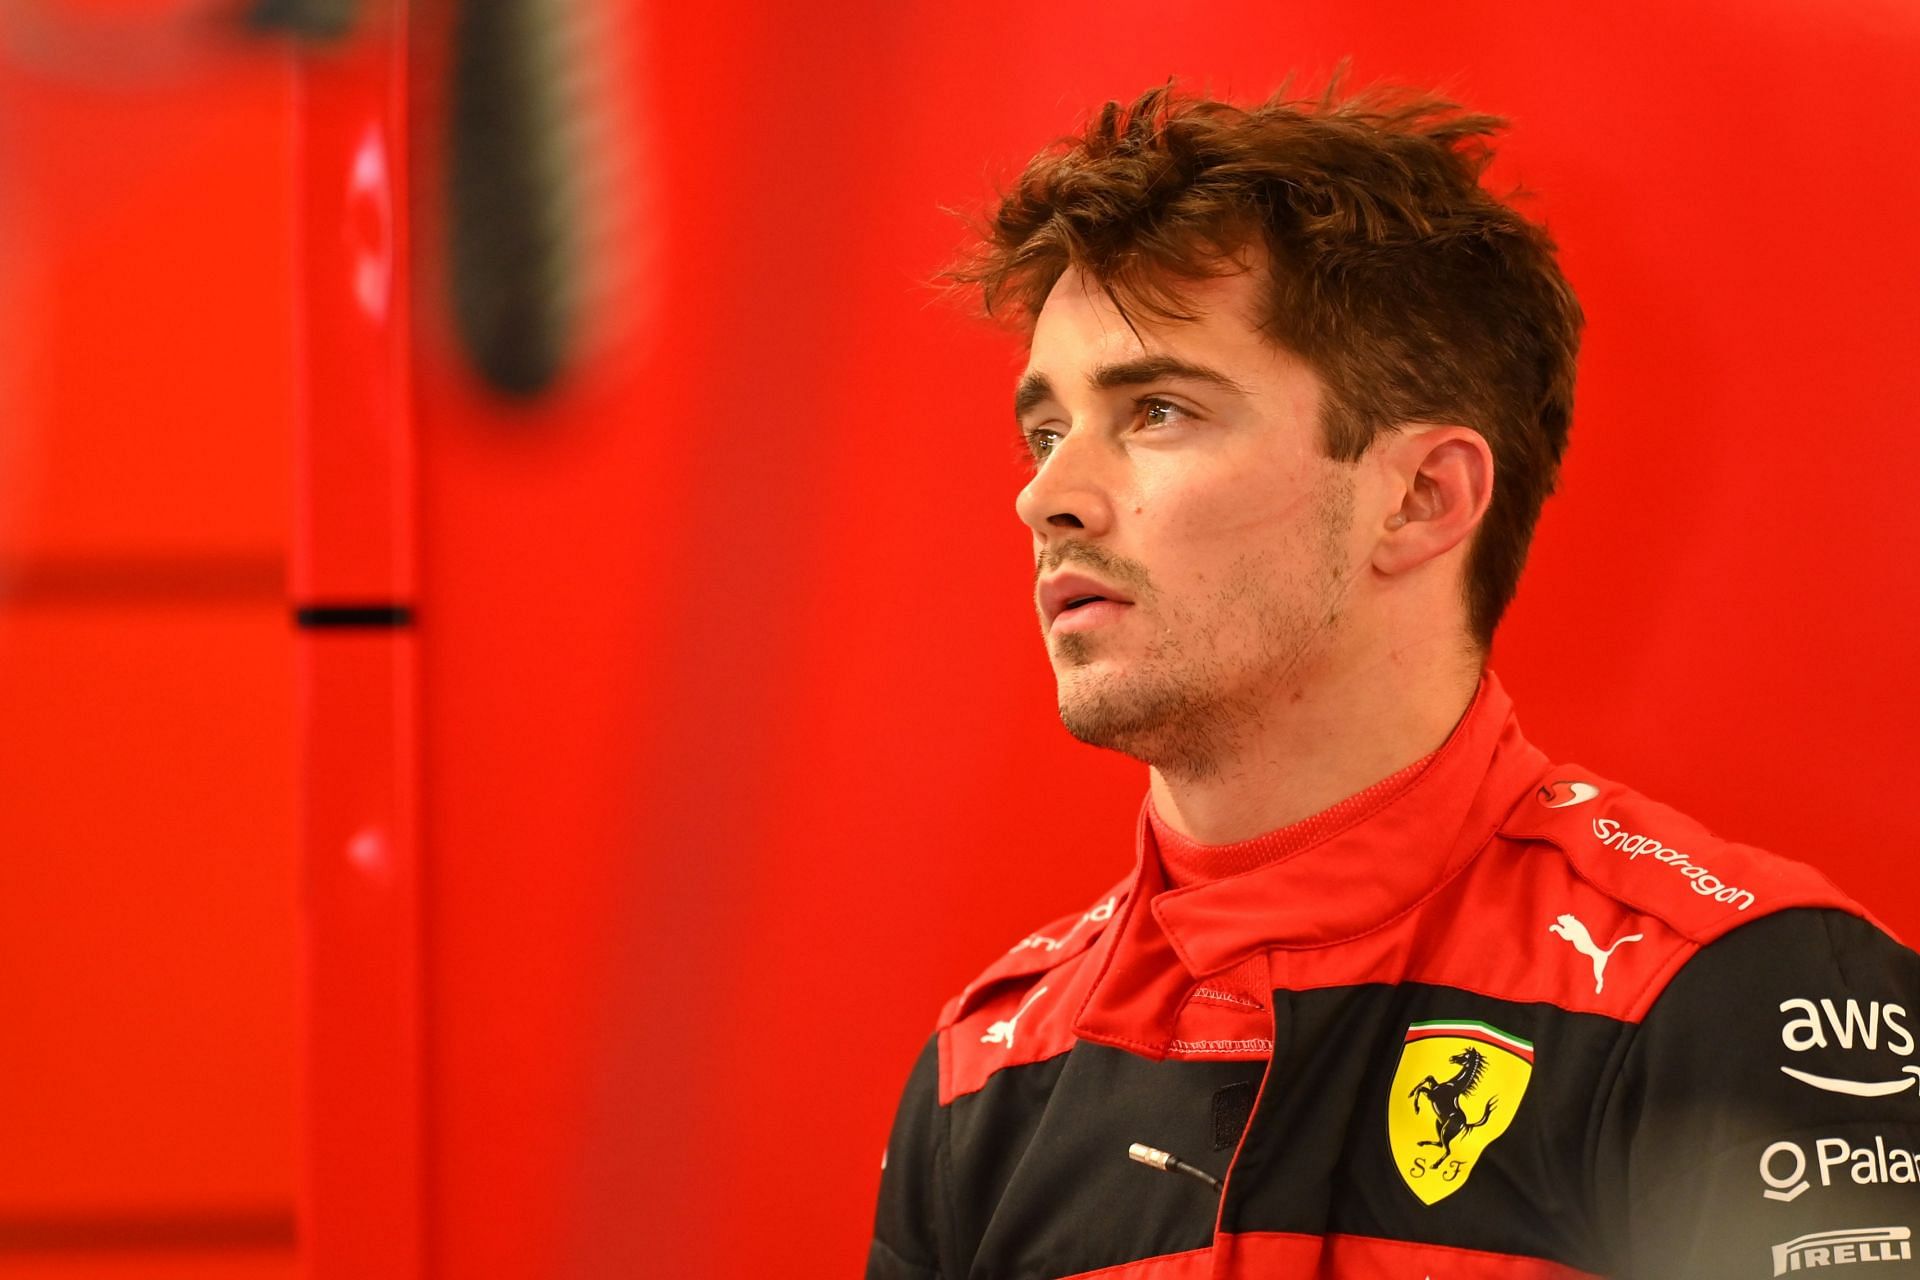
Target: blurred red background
{"points": [[628, 879]]}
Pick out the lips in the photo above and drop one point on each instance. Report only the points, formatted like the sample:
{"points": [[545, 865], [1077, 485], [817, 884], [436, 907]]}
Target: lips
{"points": [[1066, 592]]}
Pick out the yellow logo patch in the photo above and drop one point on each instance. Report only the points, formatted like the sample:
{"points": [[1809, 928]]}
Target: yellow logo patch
{"points": [[1458, 1088]]}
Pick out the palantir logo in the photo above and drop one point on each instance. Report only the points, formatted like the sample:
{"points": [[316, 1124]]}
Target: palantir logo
{"points": [[1784, 1167], [1565, 795], [1838, 1248]]}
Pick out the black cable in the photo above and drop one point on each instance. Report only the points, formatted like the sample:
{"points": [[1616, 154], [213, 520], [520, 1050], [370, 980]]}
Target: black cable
{"points": [[1155, 1158]]}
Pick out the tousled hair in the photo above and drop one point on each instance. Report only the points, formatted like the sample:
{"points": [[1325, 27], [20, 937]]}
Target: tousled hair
{"points": [[1412, 292]]}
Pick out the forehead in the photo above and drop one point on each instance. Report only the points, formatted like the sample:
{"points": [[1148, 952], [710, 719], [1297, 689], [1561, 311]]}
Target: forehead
{"points": [[1083, 344], [1080, 328]]}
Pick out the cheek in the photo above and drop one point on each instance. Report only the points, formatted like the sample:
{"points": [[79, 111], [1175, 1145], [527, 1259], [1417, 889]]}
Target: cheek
{"points": [[1230, 537], [1249, 516]]}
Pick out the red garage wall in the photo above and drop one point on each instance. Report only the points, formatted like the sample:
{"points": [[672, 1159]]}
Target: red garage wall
{"points": [[147, 772], [735, 749]]}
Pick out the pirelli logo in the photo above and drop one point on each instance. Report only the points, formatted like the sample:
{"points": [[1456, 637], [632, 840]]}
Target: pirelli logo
{"points": [[1837, 1248]]}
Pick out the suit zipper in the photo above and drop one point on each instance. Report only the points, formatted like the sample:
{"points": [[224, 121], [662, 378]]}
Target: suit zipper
{"points": [[1218, 1267]]}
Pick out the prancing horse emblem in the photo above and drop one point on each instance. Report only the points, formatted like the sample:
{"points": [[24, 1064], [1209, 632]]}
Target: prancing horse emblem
{"points": [[1457, 1088], [1449, 1117]]}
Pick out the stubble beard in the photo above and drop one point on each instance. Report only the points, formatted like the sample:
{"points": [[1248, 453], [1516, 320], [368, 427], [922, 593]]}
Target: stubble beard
{"points": [[1184, 707]]}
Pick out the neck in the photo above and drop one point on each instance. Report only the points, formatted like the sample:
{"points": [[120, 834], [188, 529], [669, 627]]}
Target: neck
{"points": [[1334, 740]]}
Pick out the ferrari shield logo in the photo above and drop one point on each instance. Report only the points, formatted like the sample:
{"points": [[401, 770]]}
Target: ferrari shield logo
{"points": [[1457, 1089]]}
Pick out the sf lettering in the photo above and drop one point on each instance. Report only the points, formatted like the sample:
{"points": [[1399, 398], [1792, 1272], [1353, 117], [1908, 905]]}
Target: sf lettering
{"points": [[1448, 1168]]}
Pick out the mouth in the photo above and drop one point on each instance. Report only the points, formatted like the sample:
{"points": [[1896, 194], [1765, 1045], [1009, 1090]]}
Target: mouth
{"points": [[1074, 602], [1086, 612]]}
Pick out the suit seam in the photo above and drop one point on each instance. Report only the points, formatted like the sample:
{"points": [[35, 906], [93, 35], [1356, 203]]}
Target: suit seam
{"points": [[946, 1226]]}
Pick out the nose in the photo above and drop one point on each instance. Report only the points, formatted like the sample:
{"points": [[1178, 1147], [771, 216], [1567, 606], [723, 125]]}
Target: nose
{"points": [[1071, 491]]}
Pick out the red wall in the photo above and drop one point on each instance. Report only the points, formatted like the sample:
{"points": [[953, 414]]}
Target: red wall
{"points": [[736, 752], [147, 773]]}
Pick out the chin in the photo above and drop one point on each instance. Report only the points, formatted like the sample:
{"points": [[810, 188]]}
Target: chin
{"points": [[1166, 723], [1104, 709]]}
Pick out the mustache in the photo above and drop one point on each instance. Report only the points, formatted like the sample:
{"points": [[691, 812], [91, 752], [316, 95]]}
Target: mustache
{"points": [[1117, 570]]}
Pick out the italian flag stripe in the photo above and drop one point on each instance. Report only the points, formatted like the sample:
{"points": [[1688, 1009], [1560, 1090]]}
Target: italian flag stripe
{"points": [[1468, 1030]]}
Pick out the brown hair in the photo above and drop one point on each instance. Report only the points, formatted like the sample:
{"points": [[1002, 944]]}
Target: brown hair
{"points": [[1412, 292]]}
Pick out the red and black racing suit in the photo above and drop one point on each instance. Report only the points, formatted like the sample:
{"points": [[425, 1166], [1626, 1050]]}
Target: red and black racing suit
{"points": [[1515, 1021]]}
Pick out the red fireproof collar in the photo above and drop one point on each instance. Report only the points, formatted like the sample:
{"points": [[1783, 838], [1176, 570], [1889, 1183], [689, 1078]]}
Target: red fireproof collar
{"points": [[1188, 862], [1354, 880]]}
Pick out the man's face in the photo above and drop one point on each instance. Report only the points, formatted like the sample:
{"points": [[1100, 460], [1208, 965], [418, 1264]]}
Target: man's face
{"points": [[1180, 475]]}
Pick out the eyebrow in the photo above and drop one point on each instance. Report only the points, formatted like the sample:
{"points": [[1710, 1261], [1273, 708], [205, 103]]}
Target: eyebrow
{"points": [[1034, 389]]}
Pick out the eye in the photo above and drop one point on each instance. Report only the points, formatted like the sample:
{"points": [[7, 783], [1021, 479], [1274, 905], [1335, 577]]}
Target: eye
{"points": [[1156, 412], [1039, 442]]}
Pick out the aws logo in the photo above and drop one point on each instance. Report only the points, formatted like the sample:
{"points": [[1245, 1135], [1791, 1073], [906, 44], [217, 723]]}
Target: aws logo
{"points": [[1855, 1026]]}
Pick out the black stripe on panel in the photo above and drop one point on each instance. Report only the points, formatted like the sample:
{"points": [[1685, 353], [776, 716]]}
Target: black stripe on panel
{"points": [[320, 616], [318, 20]]}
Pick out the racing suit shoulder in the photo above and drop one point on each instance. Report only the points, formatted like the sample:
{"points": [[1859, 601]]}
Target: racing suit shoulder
{"points": [[1044, 949], [1780, 1036], [993, 1023], [1022, 1006], [1656, 860], [1765, 1115]]}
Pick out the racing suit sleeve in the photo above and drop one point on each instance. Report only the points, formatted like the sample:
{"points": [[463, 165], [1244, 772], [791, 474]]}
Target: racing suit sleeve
{"points": [[1765, 1115], [905, 1232]]}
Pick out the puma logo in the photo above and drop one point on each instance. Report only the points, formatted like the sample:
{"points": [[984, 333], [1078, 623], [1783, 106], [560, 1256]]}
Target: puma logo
{"points": [[1002, 1032], [1573, 931]]}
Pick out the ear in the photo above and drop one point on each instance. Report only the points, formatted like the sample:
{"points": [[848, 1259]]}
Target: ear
{"points": [[1440, 481]]}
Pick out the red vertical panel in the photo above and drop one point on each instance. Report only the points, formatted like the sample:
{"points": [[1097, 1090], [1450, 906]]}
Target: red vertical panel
{"points": [[362, 1192], [147, 1011], [353, 515]]}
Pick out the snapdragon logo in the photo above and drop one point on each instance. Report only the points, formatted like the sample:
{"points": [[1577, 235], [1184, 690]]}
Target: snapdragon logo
{"points": [[1838, 1248], [1637, 846], [1785, 1169], [1040, 942]]}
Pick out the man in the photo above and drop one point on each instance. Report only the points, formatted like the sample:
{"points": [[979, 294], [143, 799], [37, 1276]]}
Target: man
{"points": [[1387, 992]]}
